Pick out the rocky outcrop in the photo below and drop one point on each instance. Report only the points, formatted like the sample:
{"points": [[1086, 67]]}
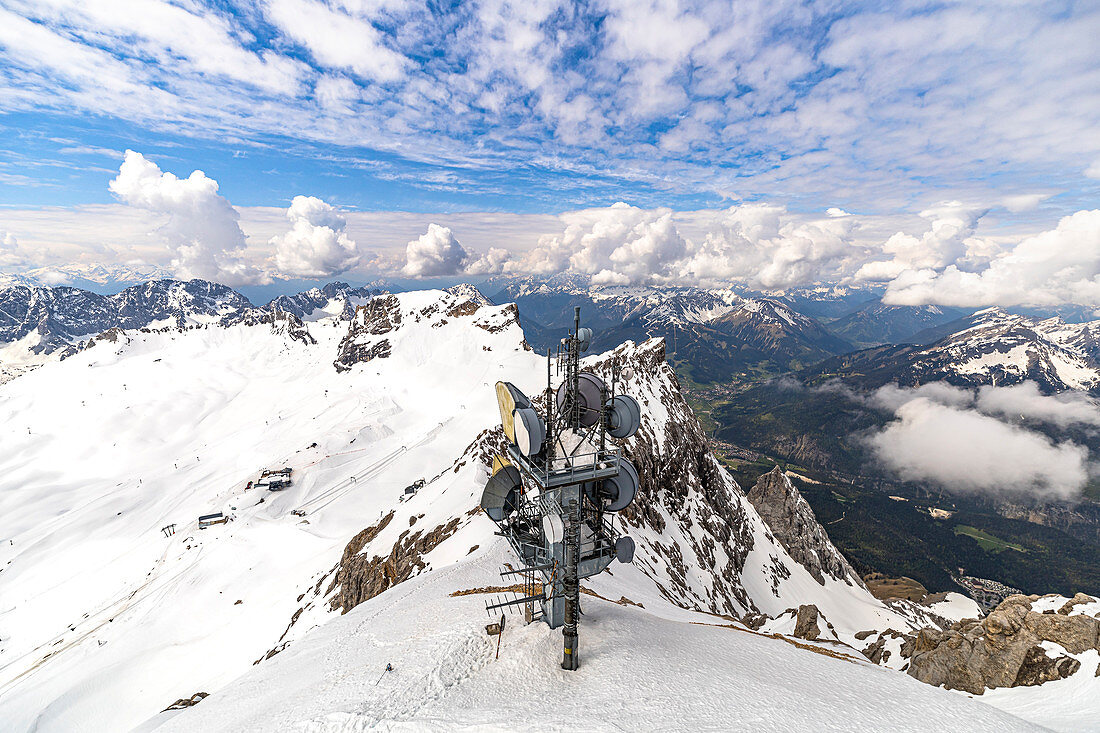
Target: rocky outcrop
{"points": [[361, 576], [361, 344], [792, 522], [808, 623], [681, 479], [1005, 648], [280, 322]]}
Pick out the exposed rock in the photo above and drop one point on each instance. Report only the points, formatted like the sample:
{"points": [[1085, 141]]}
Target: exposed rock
{"points": [[755, 620], [280, 322], [884, 588], [360, 576], [1038, 668], [380, 316], [680, 478], [1001, 650], [807, 623], [1077, 600], [792, 521], [186, 702]]}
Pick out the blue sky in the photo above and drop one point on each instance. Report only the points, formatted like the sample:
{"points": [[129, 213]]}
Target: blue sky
{"points": [[544, 107]]}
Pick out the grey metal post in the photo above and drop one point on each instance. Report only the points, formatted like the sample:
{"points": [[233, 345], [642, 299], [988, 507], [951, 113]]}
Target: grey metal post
{"points": [[571, 582]]}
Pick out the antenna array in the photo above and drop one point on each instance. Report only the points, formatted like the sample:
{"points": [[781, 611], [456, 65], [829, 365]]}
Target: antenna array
{"points": [[553, 490]]}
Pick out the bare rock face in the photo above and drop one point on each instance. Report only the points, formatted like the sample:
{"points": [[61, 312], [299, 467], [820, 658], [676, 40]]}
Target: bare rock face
{"points": [[361, 344], [1003, 649], [681, 479], [792, 521], [282, 322], [361, 576], [807, 623]]}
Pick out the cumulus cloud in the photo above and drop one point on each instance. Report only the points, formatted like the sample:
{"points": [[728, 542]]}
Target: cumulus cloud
{"points": [[958, 438], [11, 255], [1061, 265], [945, 243], [437, 253], [964, 450], [616, 245], [762, 246], [200, 226], [317, 244], [757, 244]]}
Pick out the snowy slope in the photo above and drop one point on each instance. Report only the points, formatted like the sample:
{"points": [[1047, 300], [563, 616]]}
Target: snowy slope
{"points": [[647, 669]]}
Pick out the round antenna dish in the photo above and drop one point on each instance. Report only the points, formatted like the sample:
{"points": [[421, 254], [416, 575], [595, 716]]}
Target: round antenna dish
{"points": [[530, 432], [553, 528], [616, 492], [589, 388], [501, 494], [624, 549], [584, 338], [509, 399], [624, 416]]}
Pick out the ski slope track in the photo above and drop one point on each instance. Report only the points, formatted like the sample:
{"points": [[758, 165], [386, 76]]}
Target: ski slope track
{"points": [[105, 621]]}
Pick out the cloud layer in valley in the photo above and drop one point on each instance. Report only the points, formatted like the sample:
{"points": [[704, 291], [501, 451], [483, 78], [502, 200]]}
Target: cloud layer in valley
{"points": [[985, 440]]}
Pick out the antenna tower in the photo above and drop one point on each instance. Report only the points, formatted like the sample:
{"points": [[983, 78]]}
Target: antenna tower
{"points": [[551, 489]]}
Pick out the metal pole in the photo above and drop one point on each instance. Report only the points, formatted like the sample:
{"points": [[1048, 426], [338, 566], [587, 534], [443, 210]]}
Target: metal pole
{"points": [[571, 584]]}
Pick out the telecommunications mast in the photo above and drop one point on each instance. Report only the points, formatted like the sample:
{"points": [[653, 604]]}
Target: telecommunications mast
{"points": [[552, 489]]}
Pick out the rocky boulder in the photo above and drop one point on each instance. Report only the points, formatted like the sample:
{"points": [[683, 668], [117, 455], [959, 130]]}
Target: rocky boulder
{"points": [[1005, 649]]}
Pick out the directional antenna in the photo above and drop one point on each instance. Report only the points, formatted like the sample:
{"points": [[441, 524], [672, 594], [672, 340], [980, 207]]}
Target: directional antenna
{"points": [[529, 431], [509, 397], [589, 390], [624, 416], [615, 492], [501, 494], [624, 549], [584, 338], [553, 528]]}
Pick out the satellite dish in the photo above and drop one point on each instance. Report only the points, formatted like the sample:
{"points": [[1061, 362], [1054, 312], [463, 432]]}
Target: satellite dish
{"points": [[553, 528], [584, 338], [624, 549], [509, 398], [624, 416], [616, 492], [589, 389], [529, 430], [501, 494]]}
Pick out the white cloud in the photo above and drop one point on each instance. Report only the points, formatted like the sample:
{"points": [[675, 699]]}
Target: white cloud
{"points": [[768, 98], [965, 451], [945, 242], [434, 253], [616, 245], [317, 244], [199, 225], [1025, 400], [1061, 265], [11, 254], [337, 38]]}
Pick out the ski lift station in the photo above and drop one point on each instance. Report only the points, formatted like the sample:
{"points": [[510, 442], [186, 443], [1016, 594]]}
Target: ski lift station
{"points": [[555, 488]]}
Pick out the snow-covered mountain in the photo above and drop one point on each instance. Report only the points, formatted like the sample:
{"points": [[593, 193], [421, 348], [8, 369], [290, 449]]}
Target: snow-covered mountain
{"points": [[990, 347], [715, 334], [115, 603], [100, 278]]}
